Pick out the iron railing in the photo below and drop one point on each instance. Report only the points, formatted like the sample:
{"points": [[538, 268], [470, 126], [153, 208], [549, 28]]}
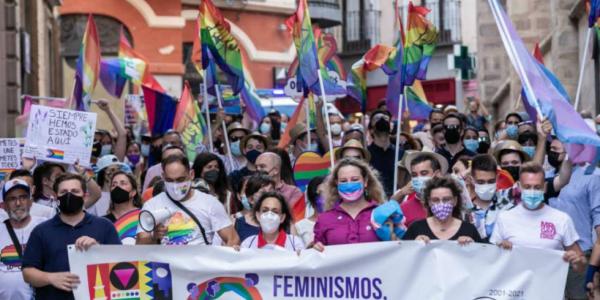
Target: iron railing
{"points": [[361, 31]]}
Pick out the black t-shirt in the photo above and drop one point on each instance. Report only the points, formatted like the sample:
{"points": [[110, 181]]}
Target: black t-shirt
{"points": [[422, 228], [111, 218], [383, 162]]}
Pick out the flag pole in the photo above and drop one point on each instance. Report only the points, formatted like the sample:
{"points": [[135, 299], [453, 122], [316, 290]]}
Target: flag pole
{"points": [[582, 67], [511, 51], [398, 129], [205, 100], [329, 137], [307, 106], [225, 135]]}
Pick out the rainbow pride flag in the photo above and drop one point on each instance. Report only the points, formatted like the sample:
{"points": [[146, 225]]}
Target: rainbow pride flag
{"points": [[88, 67], [421, 39], [127, 224], [418, 107], [215, 37], [593, 9], [136, 59], [308, 59], [375, 58], [56, 154], [189, 122], [299, 116]]}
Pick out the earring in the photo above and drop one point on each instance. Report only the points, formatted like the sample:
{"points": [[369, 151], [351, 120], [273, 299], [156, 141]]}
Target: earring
{"points": [[366, 194]]}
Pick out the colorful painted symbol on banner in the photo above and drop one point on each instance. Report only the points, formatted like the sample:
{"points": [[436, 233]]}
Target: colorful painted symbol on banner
{"points": [[214, 288], [308, 166], [56, 154], [137, 280]]}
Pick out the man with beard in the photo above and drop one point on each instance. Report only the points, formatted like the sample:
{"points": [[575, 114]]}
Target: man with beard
{"points": [[14, 234], [45, 260]]}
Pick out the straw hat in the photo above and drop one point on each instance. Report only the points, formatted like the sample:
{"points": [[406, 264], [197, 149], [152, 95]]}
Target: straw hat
{"points": [[237, 126], [410, 156], [298, 130], [353, 144], [511, 146]]}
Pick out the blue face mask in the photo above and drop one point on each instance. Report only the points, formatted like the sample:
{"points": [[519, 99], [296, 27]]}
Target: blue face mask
{"points": [[350, 191], [246, 203], [530, 150], [512, 131], [265, 128], [418, 183], [471, 144], [313, 147], [145, 150], [235, 148], [532, 198]]}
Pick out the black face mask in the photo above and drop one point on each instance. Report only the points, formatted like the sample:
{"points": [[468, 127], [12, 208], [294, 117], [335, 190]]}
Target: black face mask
{"points": [[553, 159], [252, 155], [382, 126], [211, 176], [452, 134], [484, 145], [119, 195], [513, 170], [70, 203]]}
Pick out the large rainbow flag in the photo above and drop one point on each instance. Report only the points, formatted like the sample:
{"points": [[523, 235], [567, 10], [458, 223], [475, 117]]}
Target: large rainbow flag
{"points": [[308, 59], [88, 67], [215, 37], [136, 61], [189, 122], [375, 58], [421, 38], [299, 116]]}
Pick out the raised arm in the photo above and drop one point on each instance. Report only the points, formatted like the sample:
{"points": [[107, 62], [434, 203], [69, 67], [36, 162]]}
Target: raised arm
{"points": [[121, 145]]}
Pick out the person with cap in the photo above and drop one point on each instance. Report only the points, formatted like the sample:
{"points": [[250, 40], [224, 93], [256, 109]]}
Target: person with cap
{"points": [[236, 132], [194, 217], [453, 135], [335, 121], [156, 170], [36, 209], [106, 166], [382, 150], [354, 132], [354, 149], [510, 155], [423, 166], [253, 145], [299, 139], [450, 109], [45, 260], [270, 163], [534, 224], [14, 234]]}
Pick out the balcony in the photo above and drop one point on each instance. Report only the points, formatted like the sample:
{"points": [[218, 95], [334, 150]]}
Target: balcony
{"points": [[360, 31], [445, 15], [325, 13]]}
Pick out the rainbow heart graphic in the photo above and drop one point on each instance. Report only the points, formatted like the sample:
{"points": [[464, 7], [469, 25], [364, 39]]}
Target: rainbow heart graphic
{"points": [[308, 166]]}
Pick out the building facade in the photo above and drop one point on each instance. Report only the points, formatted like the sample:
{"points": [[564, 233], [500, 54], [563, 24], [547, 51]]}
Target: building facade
{"points": [[29, 58], [560, 28]]}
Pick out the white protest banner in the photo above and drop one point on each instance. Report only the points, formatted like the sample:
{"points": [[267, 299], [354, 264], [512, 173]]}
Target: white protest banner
{"points": [[61, 135], [10, 153], [385, 270]]}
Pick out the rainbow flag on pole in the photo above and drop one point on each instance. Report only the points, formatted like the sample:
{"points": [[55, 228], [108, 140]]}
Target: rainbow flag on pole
{"points": [[215, 37], [418, 107], [136, 61], [88, 67], [189, 122], [421, 38]]}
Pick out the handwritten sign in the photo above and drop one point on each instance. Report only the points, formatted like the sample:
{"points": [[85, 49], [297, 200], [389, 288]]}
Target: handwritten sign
{"points": [[10, 154], [61, 135]]}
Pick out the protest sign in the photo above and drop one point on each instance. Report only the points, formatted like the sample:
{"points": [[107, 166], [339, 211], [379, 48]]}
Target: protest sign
{"points": [[385, 270], [10, 155], [61, 135]]}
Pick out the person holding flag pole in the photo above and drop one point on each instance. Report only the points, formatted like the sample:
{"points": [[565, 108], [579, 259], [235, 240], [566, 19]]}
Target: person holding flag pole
{"points": [[225, 135], [593, 8]]}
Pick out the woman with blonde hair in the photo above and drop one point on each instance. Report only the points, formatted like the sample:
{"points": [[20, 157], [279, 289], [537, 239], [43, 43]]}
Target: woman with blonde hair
{"points": [[352, 191]]}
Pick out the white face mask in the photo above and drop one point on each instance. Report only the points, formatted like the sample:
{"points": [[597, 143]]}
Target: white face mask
{"points": [[336, 129], [178, 190], [269, 222], [485, 192]]}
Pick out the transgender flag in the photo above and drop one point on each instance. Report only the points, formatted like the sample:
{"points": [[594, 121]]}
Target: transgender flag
{"points": [[544, 94]]}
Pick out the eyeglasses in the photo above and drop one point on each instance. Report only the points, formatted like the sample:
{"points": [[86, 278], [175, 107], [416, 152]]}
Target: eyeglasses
{"points": [[17, 198], [235, 138]]}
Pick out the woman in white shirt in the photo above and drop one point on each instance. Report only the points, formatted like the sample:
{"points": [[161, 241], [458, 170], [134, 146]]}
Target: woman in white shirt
{"points": [[274, 217], [536, 225]]}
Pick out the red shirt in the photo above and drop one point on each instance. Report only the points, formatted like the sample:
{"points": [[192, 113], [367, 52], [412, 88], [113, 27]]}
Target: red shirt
{"points": [[413, 209]]}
